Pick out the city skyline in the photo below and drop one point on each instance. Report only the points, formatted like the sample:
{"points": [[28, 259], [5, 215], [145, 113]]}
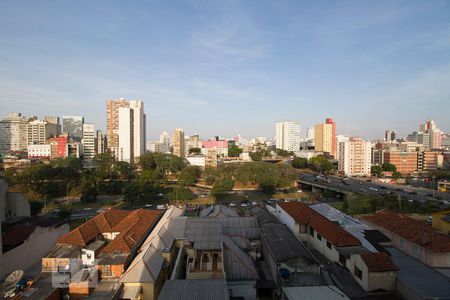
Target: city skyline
{"points": [[250, 65]]}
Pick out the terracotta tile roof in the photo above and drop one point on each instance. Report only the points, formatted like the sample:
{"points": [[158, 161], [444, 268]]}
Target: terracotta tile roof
{"points": [[332, 232], [415, 231], [85, 233], [378, 262], [132, 230]]}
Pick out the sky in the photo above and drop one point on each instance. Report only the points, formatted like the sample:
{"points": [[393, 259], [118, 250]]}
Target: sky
{"points": [[230, 67]]}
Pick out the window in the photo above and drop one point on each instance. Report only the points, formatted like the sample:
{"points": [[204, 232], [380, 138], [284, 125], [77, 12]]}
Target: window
{"points": [[358, 272], [311, 231], [319, 237], [328, 245], [401, 244]]}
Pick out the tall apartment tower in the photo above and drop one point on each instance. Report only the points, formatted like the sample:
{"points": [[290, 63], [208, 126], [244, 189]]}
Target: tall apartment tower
{"points": [[100, 143], [88, 141], [178, 142], [125, 151], [390, 136], [325, 137], [288, 135], [355, 157], [39, 131], [13, 134], [340, 138], [310, 135], [73, 126], [113, 124], [164, 139]]}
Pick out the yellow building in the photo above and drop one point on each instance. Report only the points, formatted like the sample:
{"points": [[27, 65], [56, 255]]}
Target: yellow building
{"points": [[441, 221], [323, 140]]}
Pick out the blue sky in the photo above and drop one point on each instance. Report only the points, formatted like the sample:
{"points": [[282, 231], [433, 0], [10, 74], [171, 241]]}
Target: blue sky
{"points": [[229, 67]]}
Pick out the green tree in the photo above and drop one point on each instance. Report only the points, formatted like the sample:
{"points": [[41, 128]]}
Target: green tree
{"points": [[181, 193], [376, 170], [104, 163], [132, 192], [234, 151], [222, 186], [190, 175], [125, 170], [255, 156], [36, 207], [299, 162], [396, 175], [388, 167], [320, 164], [195, 151]]}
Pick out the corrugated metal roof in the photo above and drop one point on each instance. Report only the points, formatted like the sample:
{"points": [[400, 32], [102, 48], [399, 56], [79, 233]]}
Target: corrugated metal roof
{"points": [[240, 226], [314, 292], [204, 234], [238, 264], [198, 289], [282, 243], [218, 211], [262, 215]]}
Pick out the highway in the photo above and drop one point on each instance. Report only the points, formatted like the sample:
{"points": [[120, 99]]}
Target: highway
{"points": [[375, 188]]}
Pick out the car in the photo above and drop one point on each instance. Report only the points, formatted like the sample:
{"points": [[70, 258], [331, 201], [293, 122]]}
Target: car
{"points": [[232, 204], [245, 204], [299, 191], [362, 190], [373, 189], [148, 205], [254, 203], [87, 209], [56, 211], [160, 194]]}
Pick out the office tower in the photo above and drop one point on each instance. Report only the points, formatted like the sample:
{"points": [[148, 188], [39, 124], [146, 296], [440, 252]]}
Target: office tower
{"points": [[340, 138], [88, 141], [73, 126], [390, 136], [54, 121], [112, 121], [178, 142], [112, 125], [310, 134], [434, 138], [405, 162], [164, 139], [355, 157], [325, 137], [100, 143], [288, 135], [39, 131], [126, 135], [13, 134], [138, 128], [193, 142]]}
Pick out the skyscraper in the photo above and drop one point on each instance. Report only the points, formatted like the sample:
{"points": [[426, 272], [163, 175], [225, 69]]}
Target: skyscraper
{"points": [[355, 157], [113, 124], [390, 136], [88, 141], [13, 134], [125, 151], [73, 126], [112, 121], [100, 142], [325, 137], [434, 134], [310, 133], [178, 142], [164, 139], [39, 131], [288, 135]]}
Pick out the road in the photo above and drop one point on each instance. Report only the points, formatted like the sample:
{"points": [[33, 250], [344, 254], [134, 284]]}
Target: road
{"points": [[375, 188]]}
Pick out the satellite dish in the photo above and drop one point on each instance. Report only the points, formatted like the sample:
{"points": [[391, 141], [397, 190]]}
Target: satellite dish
{"points": [[13, 278], [9, 285]]}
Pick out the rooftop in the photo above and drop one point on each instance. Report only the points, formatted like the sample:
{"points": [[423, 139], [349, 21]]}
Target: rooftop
{"points": [[205, 234], [421, 279], [415, 231], [238, 264], [218, 211], [314, 292], [282, 243], [262, 215], [334, 233], [198, 289], [378, 262]]}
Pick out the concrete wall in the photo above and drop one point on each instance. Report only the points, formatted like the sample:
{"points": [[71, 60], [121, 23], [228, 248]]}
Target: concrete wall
{"points": [[371, 281], [321, 246], [38, 244]]}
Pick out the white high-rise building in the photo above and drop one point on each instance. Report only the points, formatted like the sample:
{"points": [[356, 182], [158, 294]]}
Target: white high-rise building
{"points": [[13, 134], [288, 135], [88, 141], [131, 131], [310, 135], [125, 151], [340, 138], [39, 131], [138, 127], [164, 139], [355, 157]]}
